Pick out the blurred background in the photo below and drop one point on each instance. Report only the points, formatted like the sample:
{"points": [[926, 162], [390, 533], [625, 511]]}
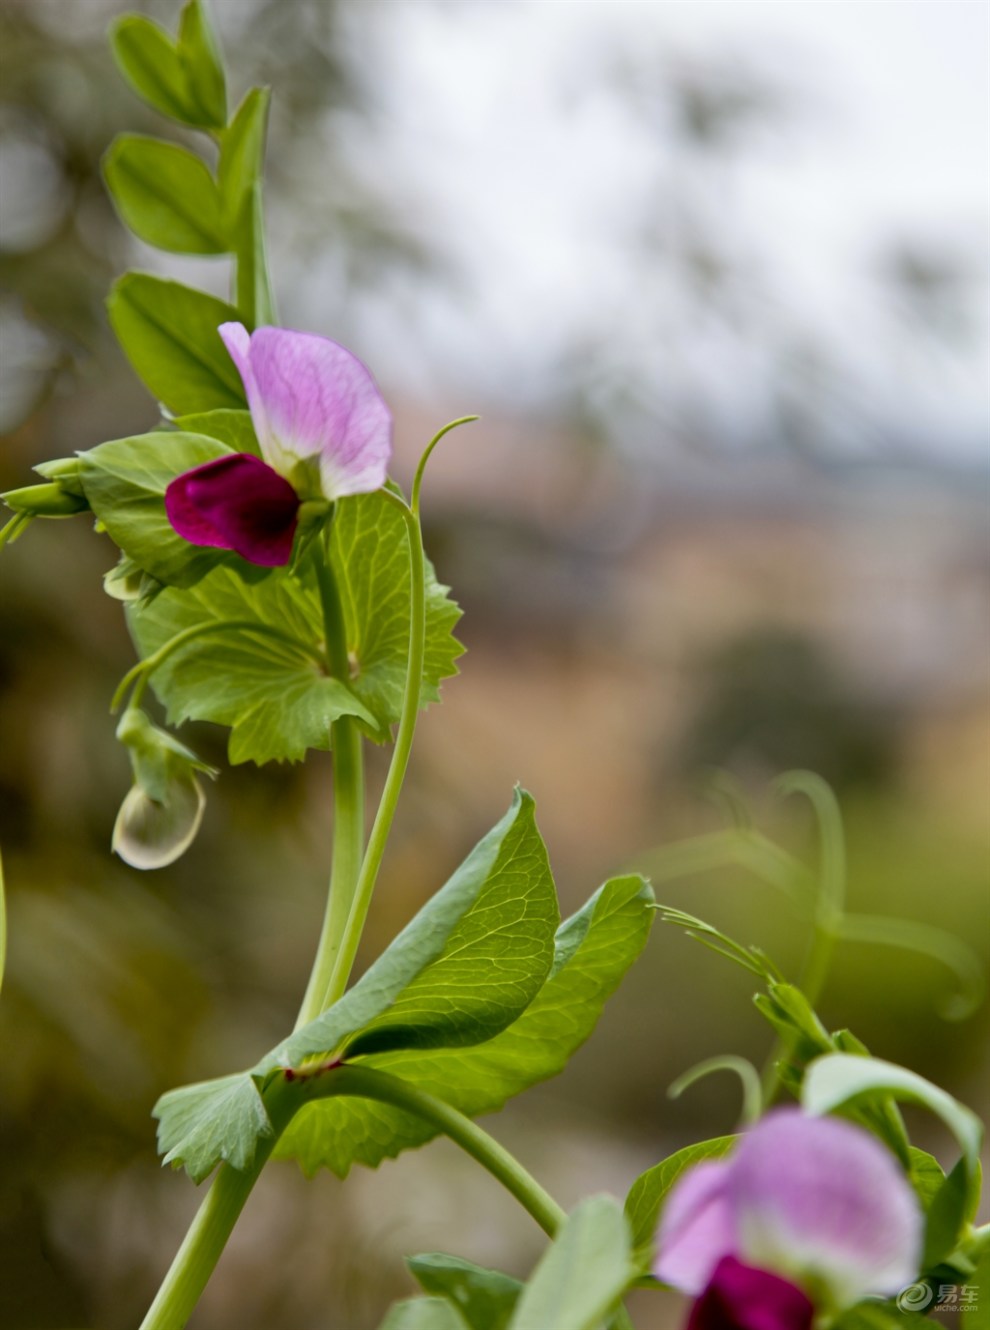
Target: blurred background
{"points": [[715, 276]]}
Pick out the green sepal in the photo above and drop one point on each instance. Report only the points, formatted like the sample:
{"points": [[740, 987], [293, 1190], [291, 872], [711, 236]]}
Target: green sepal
{"points": [[166, 195], [65, 472], [125, 482], [49, 500], [169, 334]]}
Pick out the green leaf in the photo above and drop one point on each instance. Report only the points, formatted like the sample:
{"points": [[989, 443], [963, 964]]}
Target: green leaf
{"points": [[278, 708], [217, 1119], [202, 64], [947, 1215], [169, 334], [184, 79], [650, 1190], [423, 1314], [485, 1299], [371, 559], [492, 921], [149, 60], [593, 950], [842, 1079], [165, 194], [466, 965], [234, 428], [240, 170], [925, 1175], [583, 1274], [267, 683], [875, 1315], [242, 155], [125, 481]]}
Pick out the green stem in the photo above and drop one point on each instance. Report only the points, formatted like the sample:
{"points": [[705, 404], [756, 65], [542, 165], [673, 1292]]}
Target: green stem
{"points": [[368, 876], [196, 1259], [348, 801], [829, 909], [368, 1083]]}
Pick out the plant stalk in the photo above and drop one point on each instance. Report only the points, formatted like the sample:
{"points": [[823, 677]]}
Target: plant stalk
{"points": [[348, 799]]}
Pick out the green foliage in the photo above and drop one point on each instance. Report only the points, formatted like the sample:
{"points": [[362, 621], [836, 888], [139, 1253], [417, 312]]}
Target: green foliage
{"points": [[593, 950], [583, 1275], [485, 1299], [182, 79], [423, 1314], [169, 334], [925, 1175], [254, 666], [948, 1213], [875, 1315], [242, 152], [498, 904], [166, 195], [269, 686], [806, 1039], [650, 1190], [369, 554], [221, 1119], [845, 1081], [434, 984], [467, 964], [234, 428], [125, 481]]}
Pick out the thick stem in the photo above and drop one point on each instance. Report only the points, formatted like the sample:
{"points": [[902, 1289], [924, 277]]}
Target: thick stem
{"points": [[197, 1257], [348, 845], [397, 768], [348, 800]]}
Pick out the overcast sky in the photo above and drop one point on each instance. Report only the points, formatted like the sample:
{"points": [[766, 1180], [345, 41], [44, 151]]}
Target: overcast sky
{"points": [[502, 139]]}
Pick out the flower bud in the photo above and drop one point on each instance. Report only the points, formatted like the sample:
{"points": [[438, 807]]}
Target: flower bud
{"points": [[161, 813]]}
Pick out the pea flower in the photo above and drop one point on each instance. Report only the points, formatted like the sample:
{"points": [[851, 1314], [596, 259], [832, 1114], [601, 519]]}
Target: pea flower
{"points": [[324, 432], [161, 813], [808, 1216]]}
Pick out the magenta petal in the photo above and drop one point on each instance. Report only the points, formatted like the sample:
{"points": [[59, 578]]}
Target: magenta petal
{"points": [[739, 1297], [821, 1197], [236, 503], [310, 398], [696, 1229]]}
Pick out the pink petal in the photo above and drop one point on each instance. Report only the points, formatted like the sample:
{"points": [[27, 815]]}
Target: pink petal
{"points": [[236, 503], [309, 397], [739, 1297], [821, 1197], [696, 1229]]}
